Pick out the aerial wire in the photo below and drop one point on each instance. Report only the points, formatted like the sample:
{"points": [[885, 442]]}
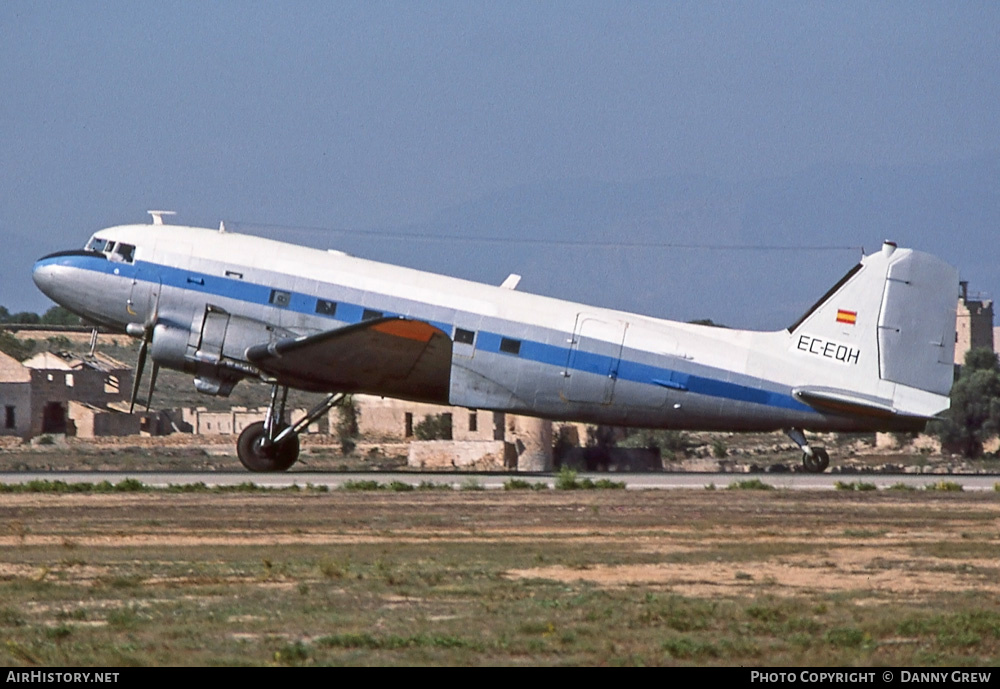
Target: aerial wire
{"points": [[437, 237]]}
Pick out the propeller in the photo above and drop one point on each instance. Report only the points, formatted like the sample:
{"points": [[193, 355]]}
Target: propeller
{"points": [[152, 383], [145, 331], [140, 364]]}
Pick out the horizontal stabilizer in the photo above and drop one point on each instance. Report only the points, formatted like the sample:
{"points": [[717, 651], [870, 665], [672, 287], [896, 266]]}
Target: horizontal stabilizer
{"points": [[841, 402], [848, 404]]}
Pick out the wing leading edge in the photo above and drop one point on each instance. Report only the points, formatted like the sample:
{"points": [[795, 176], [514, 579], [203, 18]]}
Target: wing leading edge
{"points": [[392, 356]]}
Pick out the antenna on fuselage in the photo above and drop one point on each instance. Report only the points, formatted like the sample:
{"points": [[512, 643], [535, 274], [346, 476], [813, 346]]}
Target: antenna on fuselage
{"points": [[511, 281], [158, 216]]}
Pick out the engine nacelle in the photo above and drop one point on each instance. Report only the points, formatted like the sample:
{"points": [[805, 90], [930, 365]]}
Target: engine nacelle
{"points": [[213, 347]]}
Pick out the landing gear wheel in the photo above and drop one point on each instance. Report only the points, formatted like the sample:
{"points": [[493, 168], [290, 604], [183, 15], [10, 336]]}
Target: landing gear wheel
{"points": [[258, 455], [817, 462]]}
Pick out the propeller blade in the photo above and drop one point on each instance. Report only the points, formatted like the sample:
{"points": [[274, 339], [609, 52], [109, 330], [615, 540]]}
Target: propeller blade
{"points": [[138, 374], [155, 313], [152, 383]]}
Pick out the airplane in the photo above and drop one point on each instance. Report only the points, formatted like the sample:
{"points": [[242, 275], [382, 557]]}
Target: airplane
{"points": [[875, 353]]}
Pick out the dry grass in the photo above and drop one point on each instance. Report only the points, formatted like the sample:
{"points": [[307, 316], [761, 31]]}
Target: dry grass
{"points": [[500, 577]]}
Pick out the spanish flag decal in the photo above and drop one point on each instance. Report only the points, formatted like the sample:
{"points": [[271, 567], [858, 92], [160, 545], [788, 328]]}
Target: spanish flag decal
{"points": [[849, 317]]}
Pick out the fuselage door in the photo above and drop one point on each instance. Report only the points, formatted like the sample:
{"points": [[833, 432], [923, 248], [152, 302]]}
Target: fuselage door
{"points": [[144, 296], [594, 357]]}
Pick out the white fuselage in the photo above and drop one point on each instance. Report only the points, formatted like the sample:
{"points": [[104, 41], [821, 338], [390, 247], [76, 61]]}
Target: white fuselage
{"points": [[526, 353]]}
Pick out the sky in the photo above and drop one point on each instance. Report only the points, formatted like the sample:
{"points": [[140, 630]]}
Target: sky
{"points": [[377, 116]]}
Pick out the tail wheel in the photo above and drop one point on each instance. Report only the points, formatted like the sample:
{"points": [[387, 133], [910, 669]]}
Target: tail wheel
{"points": [[817, 462], [256, 454]]}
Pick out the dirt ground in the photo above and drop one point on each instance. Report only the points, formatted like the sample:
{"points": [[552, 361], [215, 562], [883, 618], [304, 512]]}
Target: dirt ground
{"points": [[474, 577], [790, 543]]}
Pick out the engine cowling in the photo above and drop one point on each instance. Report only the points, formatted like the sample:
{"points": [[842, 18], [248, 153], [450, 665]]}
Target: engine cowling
{"points": [[213, 347]]}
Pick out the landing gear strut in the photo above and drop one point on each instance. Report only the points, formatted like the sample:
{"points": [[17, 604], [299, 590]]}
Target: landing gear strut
{"points": [[815, 460], [273, 445]]}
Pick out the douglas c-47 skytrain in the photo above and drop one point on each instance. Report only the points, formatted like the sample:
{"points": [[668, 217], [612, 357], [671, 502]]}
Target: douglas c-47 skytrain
{"points": [[875, 353]]}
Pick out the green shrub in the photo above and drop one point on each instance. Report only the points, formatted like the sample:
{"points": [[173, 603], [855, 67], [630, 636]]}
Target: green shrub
{"points": [[434, 427], [946, 486], [752, 484], [517, 484], [566, 479], [361, 485]]}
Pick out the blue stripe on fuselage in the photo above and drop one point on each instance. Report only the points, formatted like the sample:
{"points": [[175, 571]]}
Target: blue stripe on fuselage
{"points": [[587, 362]]}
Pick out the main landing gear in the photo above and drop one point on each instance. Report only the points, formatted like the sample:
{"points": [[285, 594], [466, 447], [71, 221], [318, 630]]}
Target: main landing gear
{"points": [[815, 460], [271, 444]]}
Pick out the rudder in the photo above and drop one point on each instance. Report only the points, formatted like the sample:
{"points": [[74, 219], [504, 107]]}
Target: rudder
{"points": [[916, 328]]}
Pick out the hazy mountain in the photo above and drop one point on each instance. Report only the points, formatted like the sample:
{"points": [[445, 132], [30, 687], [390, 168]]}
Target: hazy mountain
{"points": [[753, 255], [750, 255]]}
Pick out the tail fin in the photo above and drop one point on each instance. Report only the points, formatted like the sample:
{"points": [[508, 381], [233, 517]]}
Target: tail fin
{"points": [[891, 320]]}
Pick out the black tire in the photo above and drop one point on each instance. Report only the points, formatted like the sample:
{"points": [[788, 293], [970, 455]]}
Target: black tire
{"points": [[817, 462], [258, 457], [824, 459]]}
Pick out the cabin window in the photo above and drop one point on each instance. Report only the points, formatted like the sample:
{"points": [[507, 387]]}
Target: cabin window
{"points": [[234, 274], [370, 314], [464, 336], [280, 298], [326, 308], [510, 346]]}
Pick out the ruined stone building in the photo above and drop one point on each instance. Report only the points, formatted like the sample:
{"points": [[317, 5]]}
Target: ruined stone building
{"points": [[973, 324], [15, 397], [57, 381], [382, 418]]}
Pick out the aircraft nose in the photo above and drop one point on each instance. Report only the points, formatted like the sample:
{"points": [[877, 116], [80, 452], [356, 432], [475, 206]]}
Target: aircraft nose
{"points": [[64, 278], [44, 275], [53, 276]]}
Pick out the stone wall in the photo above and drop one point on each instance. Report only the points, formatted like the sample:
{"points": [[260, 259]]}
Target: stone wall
{"points": [[381, 418], [483, 455], [93, 422]]}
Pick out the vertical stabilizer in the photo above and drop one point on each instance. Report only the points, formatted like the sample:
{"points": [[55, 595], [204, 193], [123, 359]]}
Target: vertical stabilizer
{"points": [[889, 323]]}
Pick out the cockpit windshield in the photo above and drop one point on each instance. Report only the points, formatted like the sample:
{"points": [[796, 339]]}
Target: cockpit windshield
{"points": [[115, 251], [96, 244]]}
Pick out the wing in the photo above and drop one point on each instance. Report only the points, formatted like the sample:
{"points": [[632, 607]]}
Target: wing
{"points": [[393, 356]]}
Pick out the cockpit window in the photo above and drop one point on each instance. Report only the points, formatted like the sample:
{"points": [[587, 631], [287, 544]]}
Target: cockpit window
{"points": [[119, 252], [96, 244], [115, 251], [126, 251]]}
